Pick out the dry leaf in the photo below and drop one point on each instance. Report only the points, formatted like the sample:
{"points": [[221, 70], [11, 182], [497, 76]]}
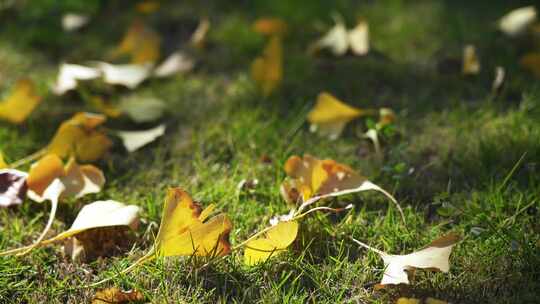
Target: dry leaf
{"points": [[471, 64], [198, 38], [178, 62], [531, 62], [330, 115], [133, 140], [128, 75], [270, 26], [80, 180], [518, 20], [183, 229], [70, 74], [115, 295], [80, 137], [72, 22], [267, 70], [338, 40], [13, 187], [140, 42], [311, 179], [435, 257], [274, 242], [20, 103]]}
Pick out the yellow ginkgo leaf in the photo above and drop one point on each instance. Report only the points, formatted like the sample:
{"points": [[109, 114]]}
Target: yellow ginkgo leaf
{"points": [[267, 70], [330, 115], [184, 232], [20, 103], [80, 137], [311, 179], [270, 26], [3, 163], [140, 42], [531, 62], [42, 173], [471, 63], [275, 241]]}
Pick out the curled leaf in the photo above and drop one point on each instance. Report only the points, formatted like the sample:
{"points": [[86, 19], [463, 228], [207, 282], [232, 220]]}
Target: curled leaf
{"points": [[267, 70], [274, 242], [20, 103], [133, 140], [330, 115], [184, 231], [69, 76], [517, 21], [140, 42], [13, 187], [435, 256], [80, 137]]}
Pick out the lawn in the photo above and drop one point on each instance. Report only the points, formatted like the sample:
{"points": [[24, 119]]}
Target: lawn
{"points": [[459, 158]]}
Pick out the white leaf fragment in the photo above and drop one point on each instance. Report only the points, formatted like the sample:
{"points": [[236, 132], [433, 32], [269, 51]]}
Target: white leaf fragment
{"points": [[133, 140]]}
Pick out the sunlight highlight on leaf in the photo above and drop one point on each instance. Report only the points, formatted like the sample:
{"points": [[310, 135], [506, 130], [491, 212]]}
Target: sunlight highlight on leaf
{"points": [[274, 242]]}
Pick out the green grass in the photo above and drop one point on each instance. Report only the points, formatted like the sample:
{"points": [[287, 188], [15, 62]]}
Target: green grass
{"points": [[454, 162]]}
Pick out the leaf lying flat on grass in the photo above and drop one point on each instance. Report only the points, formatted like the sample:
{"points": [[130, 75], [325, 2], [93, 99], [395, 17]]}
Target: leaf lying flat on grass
{"points": [[183, 230], [13, 187], [20, 103], [517, 21], [330, 115], [435, 256], [275, 241], [267, 70], [115, 295], [134, 140]]}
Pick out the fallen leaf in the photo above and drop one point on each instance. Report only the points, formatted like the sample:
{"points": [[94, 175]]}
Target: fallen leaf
{"points": [[435, 257], [72, 22], [80, 137], [531, 62], [70, 74], [133, 140], [115, 295], [147, 7], [183, 230], [140, 42], [267, 70], [80, 180], [13, 187], [198, 38], [330, 115], [471, 64], [339, 40], [359, 38], [20, 103], [408, 301], [128, 75], [434, 301], [177, 62], [142, 109], [517, 21], [3, 163], [311, 179], [270, 26], [275, 241], [43, 172]]}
